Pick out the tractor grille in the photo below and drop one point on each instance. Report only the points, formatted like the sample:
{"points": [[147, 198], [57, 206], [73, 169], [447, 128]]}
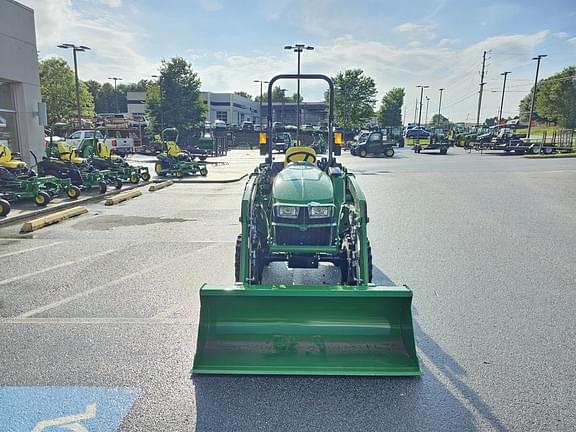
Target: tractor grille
{"points": [[311, 237]]}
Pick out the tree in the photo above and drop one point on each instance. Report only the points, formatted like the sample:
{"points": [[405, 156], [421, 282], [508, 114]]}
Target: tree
{"points": [[438, 120], [182, 104], [524, 108], [390, 112], [491, 121], [294, 98], [58, 88], [354, 98], [556, 98], [277, 96], [243, 94]]}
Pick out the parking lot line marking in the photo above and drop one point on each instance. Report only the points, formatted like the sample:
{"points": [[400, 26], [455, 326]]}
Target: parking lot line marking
{"points": [[57, 266], [104, 286], [30, 249], [96, 321]]}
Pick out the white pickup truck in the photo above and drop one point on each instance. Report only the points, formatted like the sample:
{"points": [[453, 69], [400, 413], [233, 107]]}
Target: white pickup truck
{"points": [[120, 140]]}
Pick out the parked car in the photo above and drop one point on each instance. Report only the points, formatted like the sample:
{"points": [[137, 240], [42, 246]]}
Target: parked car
{"points": [[308, 127], [75, 138], [247, 126], [417, 133], [219, 124]]}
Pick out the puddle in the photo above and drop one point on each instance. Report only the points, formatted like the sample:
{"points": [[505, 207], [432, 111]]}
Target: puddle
{"points": [[104, 223]]}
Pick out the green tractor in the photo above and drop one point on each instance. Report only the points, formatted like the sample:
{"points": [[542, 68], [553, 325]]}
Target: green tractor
{"points": [[173, 161], [303, 211]]}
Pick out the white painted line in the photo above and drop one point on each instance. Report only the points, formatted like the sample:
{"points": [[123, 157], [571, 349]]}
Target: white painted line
{"points": [[30, 249], [96, 321], [64, 264], [104, 286]]}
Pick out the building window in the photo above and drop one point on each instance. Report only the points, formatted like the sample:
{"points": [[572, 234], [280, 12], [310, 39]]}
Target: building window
{"points": [[8, 129], [222, 115]]}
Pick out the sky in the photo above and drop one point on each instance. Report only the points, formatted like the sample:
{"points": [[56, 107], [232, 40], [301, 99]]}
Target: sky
{"points": [[229, 43]]}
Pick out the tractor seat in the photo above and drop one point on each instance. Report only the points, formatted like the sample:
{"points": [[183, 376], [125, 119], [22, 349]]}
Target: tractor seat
{"points": [[300, 154], [13, 164]]}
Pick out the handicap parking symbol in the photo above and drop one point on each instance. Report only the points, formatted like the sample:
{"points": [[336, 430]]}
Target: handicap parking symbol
{"points": [[75, 409]]}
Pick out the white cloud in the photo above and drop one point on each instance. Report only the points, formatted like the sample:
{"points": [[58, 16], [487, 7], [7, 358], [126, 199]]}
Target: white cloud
{"points": [[116, 47], [572, 41], [112, 3], [561, 35], [408, 28]]}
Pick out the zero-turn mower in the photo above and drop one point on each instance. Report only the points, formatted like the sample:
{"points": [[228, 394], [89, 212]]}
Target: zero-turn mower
{"points": [[173, 161], [100, 157], [303, 211]]}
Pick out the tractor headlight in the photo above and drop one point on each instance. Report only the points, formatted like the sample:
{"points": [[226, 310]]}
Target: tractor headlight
{"points": [[288, 211], [319, 212]]}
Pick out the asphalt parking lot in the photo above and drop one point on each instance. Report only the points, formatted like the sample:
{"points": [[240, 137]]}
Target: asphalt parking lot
{"points": [[98, 314]]}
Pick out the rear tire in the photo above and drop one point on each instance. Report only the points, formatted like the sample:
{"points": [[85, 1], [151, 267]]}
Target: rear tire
{"points": [[203, 172], [134, 179], [389, 152], [145, 177], [102, 187], [362, 153], [237, 258], [118, 184], [158, 168]]}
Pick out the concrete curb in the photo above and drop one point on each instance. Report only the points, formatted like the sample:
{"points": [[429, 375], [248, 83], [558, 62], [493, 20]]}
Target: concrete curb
{"points": [[121, 197], [51, 219], [157, 186], [65, 205], [551, 156]]}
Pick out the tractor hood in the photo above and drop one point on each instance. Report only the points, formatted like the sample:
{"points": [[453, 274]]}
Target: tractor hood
{"points": [[301, 183]]}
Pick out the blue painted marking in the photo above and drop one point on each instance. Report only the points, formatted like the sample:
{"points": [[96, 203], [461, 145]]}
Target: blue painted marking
{"points": [[37, 409]]}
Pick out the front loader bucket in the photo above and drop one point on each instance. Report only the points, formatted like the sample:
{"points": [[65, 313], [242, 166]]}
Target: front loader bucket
{"points": [[306, 330]]}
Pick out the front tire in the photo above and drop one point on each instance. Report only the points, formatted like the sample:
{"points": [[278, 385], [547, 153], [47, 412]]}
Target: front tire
{"points": [[134, 179], [362, 153], [73, 192], [42, 199], [145, 177], [4, 207], [203, 172], [102, 187]]}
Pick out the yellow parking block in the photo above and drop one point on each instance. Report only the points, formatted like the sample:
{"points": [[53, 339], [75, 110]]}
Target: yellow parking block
{"points": [[53, 218], [158, 186], [118, 198]]}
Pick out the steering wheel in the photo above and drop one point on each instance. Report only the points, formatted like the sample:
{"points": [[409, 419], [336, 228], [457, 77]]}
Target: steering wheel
{"points": [[300, 154]]}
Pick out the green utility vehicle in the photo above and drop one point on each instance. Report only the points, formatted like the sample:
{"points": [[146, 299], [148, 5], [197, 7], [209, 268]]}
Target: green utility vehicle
{"points": [[304, 211], [373, 144]]}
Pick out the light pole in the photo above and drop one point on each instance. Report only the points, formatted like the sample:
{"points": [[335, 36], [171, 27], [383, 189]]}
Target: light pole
{"points": [[75, 49], [505, 74], [298, 48], [283, 91], [261, 82], [537, 58], [161, 104], [115, 92], [421, 87], [427, 103], [440, 106]]}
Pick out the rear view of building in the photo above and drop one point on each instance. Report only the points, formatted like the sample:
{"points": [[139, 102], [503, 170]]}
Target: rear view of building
{"points": [[20, 129]]}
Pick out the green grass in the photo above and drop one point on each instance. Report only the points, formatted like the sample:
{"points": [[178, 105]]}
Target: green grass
{"points": [[538, 130]]}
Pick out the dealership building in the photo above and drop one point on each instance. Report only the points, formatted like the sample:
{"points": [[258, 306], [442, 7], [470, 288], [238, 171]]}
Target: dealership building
{"points": [[20, 95]]}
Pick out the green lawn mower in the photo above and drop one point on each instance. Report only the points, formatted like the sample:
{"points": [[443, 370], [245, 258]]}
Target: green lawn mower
{"points": [[303, 211], [100, 157], [173, 161], [63, 161]]}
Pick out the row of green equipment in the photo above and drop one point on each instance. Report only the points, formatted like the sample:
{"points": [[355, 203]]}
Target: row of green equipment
{"points": [[173, 161], [19, 182], [304, 211]]}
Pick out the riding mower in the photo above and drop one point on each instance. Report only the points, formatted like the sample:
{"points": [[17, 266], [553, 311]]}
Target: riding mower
{"points": [[62, 161], [18, 181], [304, 211], [173, 161], [100, 157]]}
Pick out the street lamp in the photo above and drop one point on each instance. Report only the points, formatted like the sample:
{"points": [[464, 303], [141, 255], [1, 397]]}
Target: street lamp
{"points": [[427, 103], [537, 58], [440, 105], [161, 105], [421, 87], [298, 48], [283, 91], [261, 82], [75, 49], [505, 74], [115, 92]]}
